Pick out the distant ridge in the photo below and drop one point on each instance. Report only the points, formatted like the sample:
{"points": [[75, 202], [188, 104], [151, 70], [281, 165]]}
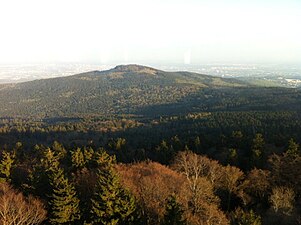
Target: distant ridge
{"points": [[121, 90]]}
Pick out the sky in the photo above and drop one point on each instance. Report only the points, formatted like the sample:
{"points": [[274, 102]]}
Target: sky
{"points": [[154, 31]]}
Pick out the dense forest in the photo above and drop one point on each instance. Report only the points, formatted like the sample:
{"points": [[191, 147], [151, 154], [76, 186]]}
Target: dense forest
{"points": [[135, 145]]}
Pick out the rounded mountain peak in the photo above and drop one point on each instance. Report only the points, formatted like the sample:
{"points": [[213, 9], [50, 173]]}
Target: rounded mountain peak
{"points": [[134, 68]]}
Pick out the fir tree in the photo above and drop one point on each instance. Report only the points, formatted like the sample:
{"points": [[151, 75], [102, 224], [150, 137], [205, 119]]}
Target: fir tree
{"points": [[111, 204], [59, 149], [174, 213], [197, 144], [78, 159], [40, 176], [293, 148], [88, 154], [50, 161], [64, 203], [6, 166], [165, 152], [257, 150]]}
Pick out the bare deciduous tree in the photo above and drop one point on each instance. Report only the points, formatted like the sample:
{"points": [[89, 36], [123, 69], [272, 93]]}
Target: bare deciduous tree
{"points": [[231, 181], [194, 166], [15, 209], [202, 176]]}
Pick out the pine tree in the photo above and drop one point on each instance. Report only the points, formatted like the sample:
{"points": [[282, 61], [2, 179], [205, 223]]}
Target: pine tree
{"points": [[111, 204], [174, 213], [64, 203], [6, 166]]}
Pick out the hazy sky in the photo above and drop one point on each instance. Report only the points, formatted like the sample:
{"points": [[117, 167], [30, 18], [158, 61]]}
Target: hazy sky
{"points": [[162, 31]]}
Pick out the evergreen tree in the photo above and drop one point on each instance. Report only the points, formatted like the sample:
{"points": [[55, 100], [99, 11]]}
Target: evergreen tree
{"points": [[18, 146], [40, 176], [232, 156], [164, 152], [293, 148], [197, 144], [176, 143], [50, 161], [64, 203], [59, 149], [236, 139], [174, 213], [6, 166], [88, 154], [257, 150], [77, 158], [120, 143], [240, 217], [111, 204]]}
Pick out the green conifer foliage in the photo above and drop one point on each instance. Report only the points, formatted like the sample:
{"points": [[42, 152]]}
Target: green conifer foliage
{"points": [[257, 150], [50, 161], [293, 148], [64, 203], [240, 217], [197, 143], [6, 166], [174, 213], [111, 204], [40, 176], [88, 154], [59, 149], [78, 159]]}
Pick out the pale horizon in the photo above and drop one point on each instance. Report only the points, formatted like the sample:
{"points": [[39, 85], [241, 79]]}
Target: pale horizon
{"points": [[150, 32]]}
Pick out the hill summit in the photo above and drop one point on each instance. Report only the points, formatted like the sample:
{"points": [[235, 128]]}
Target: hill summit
{"points": [[123, 89], [133, 68]]}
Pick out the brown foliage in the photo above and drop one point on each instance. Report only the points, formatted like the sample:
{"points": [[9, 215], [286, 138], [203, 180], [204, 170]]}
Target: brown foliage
{"points": [[286, 171], [282, 198], [194, 166], [232, 178], [256, 185], [203, 176], [233, 183], [151, 183], [202, 206], [15, 209]]}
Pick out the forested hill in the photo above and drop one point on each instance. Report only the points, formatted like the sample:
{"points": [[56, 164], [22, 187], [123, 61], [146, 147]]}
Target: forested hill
{"points": [[154, 145], [139, 90]]}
